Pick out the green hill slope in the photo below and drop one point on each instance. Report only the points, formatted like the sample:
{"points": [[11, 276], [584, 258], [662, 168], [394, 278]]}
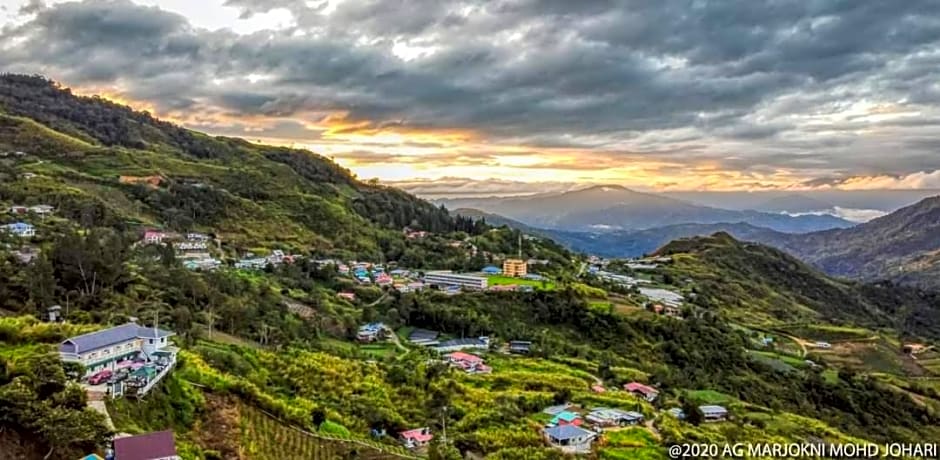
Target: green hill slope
{"points": [[759, 284]]}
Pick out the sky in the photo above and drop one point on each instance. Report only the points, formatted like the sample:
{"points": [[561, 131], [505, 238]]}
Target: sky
{"points": [[519, 96]]}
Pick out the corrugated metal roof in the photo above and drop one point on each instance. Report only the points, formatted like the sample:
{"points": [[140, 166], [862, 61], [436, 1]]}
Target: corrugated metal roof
{"points": [[101, 339], [146, 446], [565, 432]]}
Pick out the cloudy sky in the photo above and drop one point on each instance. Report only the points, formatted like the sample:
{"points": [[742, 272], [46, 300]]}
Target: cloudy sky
{"points": [[525, 94]]}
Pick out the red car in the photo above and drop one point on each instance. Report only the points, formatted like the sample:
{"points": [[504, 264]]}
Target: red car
{"points": [[100, 377]]}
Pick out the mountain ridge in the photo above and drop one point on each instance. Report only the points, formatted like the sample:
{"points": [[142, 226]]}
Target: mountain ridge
{"points": [[612, 207]]}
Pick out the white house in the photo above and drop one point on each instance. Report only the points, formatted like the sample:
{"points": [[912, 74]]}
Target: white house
{"points": [[105, 349], [570, 439]]}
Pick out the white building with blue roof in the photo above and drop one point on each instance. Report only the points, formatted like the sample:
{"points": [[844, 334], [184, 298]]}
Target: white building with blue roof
{"points": [[570, 439], [20, 229], [108, 348]]}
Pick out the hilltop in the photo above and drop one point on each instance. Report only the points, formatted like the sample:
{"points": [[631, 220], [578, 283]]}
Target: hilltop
{"points": [[757, 283], [900, 246]]}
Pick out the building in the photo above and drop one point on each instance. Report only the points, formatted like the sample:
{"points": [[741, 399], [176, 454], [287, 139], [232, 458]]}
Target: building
{"points": [[480, 343], [677, 413], [570, 439], [112, 348], [520, 346], [714, 413], [42, 210], [20, 229], [449, 279], [515, 268], [491, 270], [471, 364], [416, 438], [566, 417], [642, 391], [151, 446], [604, 417], [423, 337], [372, 332], [555, 410], [154, 237], [663, 296]]}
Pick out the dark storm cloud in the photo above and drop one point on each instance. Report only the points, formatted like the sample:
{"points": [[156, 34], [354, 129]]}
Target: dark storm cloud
{"points": [[617, 75]]}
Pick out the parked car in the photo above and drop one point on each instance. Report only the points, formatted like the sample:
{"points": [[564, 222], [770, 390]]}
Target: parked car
{"points": [[100, 377]]}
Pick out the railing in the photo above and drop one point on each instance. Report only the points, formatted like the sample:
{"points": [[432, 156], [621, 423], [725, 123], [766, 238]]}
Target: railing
{"points": [[157, 378]]}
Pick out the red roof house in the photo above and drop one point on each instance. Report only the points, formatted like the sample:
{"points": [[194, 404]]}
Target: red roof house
{"points": [[414, 438], [640, 389], [152, 446]]}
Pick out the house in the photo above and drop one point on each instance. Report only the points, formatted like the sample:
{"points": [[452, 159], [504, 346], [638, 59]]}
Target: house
{"points": [[197, 237], [604, 417], [520, 346], [203, 263], [54, 314], [570, 439], [28, 176], [115, 347], [471, 364], [383, 279], [714, 413], [449, 279], [480, 343], [413, 235], [643, 391], [555, 410], [350, 296], [515, 268], [20, 229], [42, 210], [663, 296], [423, 337], [19, 209], [372, 332], [598, 389], [154, 237], [566, 417], [491, 270], [677, 413], [825, 345], [151, 446], [252, 263], [416, 438]]}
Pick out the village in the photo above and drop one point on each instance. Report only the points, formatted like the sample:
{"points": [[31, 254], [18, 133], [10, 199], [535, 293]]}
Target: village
{"points": [[131, 359]]}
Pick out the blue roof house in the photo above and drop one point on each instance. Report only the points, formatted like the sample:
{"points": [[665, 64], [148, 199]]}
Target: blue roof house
{"points": [[714, 413], [570, 439], [491, 270], [105, 349], [21, 229]]}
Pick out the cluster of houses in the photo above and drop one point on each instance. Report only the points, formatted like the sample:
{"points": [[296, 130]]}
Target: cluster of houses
{"points": [[276, 258], [23, 229], [574, 430], [710, 413]]}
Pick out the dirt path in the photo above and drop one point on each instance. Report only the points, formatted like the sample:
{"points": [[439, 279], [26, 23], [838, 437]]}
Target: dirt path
{"points": [[802, 343]]}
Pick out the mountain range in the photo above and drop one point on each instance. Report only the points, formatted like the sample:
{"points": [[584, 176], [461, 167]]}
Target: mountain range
{"points": [[615, 208]]}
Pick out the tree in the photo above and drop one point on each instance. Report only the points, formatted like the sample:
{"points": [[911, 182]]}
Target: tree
{"points": [[317, 417]]}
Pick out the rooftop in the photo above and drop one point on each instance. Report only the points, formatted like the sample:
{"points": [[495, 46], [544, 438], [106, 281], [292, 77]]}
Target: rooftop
{"points": [[108, 337], [150, 446], [566, 432]]}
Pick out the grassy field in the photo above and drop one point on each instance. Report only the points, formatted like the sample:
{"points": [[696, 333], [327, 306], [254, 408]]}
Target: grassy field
{"points": [[499, 280]]}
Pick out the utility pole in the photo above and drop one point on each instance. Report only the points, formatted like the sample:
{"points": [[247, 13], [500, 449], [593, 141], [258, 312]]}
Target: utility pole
{"points": [[444, 423]]}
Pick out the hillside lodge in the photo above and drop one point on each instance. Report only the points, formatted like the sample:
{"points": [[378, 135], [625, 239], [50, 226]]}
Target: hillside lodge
{"points": [[117, 347]]}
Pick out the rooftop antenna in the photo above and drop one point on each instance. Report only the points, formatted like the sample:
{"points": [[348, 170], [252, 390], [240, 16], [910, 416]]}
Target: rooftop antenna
{"points": [[520, 245]]}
